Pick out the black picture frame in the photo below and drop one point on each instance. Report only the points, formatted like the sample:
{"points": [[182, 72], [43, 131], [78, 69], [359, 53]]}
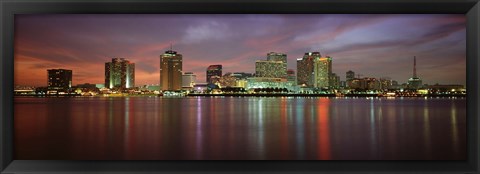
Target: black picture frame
{"points": [[8, 9]]}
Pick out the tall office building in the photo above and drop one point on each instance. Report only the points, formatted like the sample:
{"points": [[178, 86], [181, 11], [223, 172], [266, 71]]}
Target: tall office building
{"points": [[189, 79], [273, 56], [270, 69], [322, 72], [414, 82], [171, 70], [59, 78], [214, 72], [350, 75], [119, 73], [305, 68], [274, 67]]}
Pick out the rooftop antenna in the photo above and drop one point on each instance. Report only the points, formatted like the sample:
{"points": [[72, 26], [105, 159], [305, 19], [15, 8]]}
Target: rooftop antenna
{"points": [[171, 46], [414, 67]]}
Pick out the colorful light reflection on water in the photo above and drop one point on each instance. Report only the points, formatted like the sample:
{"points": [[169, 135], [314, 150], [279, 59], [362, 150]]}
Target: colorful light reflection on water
{"points": [[230, 128]]}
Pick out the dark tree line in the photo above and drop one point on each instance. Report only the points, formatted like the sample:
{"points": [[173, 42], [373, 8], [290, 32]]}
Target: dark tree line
{"points": [[233, 90], [271, 90]]}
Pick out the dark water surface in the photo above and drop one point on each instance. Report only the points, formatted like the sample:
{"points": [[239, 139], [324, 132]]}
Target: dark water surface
{"points": [[155, 128]]}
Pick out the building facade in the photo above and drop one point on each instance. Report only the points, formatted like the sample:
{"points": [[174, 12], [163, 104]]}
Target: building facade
{"points": [[188, 80], [291, 76], [270, 69], [119, 73], [366, 83], [335, 81], [171, 70], [214, 72], [282, 57], [322, 72], [265, 82], [59, 79], [305, 68], [350, 75]]}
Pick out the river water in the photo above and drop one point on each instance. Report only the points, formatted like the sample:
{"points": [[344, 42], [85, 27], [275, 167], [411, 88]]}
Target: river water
{"points": [[239, 128]]}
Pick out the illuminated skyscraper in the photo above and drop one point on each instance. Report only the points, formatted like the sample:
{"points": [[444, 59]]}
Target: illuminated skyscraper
{"points": [[305, 68], [170, 70], [273, 56], [120, 73], [270, 69], [274, 67], [214, 72], [322, 72], [59, 78]]}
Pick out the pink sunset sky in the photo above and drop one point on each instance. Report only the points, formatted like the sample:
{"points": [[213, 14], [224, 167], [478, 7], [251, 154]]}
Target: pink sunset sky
{"points": [[372, 45]]}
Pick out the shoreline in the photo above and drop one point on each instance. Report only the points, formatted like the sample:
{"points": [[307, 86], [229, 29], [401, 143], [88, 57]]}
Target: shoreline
{"points": [[261, 95]]}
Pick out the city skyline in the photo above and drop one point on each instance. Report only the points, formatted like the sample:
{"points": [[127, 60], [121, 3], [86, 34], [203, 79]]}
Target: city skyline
{"points": [[367, 44]]}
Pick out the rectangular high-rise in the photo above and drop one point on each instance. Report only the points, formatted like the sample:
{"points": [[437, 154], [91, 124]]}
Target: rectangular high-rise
{"points": [[274, 67], [350, 75], [305, 68], [322, 72], [119, 73], [59, 78], [214, 72], [270, 69], [273, 56], [171, 70]]}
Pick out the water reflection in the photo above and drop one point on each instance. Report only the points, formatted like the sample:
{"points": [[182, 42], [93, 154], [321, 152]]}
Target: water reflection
{"points": [[323, 128], [426, 132], [239, 128], [453, 117], [373, 132], [199, 130]]}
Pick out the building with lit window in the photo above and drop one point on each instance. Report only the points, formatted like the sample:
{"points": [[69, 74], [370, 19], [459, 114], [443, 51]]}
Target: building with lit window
{"points": [[274, 67], [305, 68], [322, 71], [269, 69], [335, 81], [214, 72], [188, 80], [119, 73], [350, 75], [291, 76], [282, 57], [385, 83], [366, 83], [59, 79], [171, 70], [228, 81], [265, 82]]}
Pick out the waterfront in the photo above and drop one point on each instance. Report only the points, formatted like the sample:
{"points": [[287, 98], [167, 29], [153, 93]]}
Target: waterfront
{"points": [[271, 128]]}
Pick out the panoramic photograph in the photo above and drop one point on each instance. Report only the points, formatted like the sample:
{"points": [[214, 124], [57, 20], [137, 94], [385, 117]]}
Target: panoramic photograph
{"points": [[240, 87]]}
